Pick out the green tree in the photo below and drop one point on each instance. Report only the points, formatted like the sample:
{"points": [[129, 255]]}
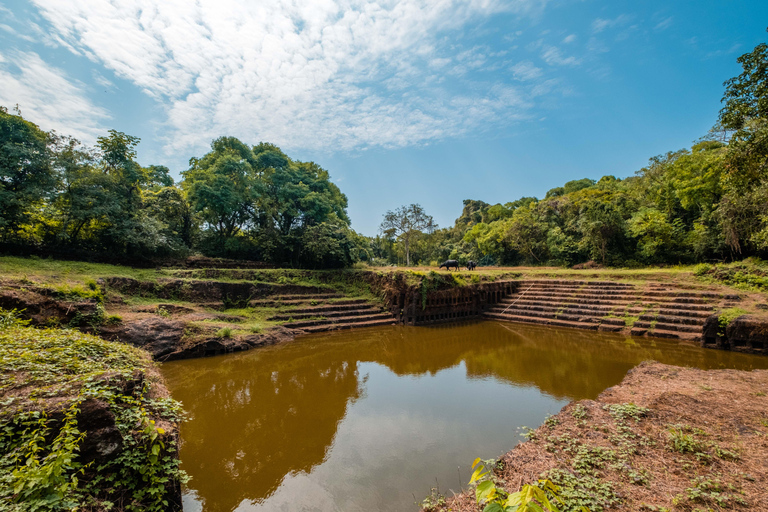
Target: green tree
{"points": [[405, 223], [223, 186], [746, 95], [27, 176]]}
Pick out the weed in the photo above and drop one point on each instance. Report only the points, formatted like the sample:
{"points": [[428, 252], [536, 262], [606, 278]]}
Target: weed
{"points": [[579, 412], [621, 412], [225, 332], [434, 500], [11, 318], [539, 497], [683, 442], [551, 421], [161, 311], [726, 317]]}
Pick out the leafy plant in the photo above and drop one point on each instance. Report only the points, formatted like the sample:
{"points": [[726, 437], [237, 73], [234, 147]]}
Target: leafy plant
{"points": [[530, 498]]}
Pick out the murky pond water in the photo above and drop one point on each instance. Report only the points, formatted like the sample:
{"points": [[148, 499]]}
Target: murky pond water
{"points": [[369, 420]]}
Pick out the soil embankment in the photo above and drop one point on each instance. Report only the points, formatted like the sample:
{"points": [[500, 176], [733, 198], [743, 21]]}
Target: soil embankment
{"points": [[666, 438], [85, 423]]}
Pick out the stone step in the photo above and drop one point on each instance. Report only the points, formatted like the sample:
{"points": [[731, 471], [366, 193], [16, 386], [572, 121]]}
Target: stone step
{"points": [[552, 299], [610, 327], [265, 303], [325, 314], [673, 319], [667, 322], [339, 326], [662, 333], [569, 282], [638, 295], [339, 320], [306, 296], [544, 321], [643, 314], [332, 307], [694, 309], [664, 326]]}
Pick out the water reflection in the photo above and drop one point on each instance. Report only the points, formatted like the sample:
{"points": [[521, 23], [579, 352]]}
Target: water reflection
{"points": [[360, 420]]}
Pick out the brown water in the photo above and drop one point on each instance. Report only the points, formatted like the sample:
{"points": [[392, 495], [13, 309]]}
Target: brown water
{"points": [[369, 420]]}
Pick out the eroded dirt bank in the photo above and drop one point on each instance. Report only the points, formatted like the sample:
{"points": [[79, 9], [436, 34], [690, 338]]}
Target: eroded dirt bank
{"points": [[667, 438]]}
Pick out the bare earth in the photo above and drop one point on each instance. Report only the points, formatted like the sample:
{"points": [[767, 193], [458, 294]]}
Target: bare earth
{"points": [[694, 440]]}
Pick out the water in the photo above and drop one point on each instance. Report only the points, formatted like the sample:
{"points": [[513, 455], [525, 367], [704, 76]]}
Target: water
{"points": [[370, 420]]}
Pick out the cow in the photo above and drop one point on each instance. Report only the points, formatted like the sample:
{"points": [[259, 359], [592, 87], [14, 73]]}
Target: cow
{"points": [[471, 265], [448, 264]]}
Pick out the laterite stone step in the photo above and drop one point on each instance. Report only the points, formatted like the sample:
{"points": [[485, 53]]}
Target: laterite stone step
{"points": [[338, 320], [325, 314]]}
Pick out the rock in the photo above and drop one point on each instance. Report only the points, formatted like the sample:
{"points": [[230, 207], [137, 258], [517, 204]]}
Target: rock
{"points": [[748, 334], [159, 336], [102, 438]]}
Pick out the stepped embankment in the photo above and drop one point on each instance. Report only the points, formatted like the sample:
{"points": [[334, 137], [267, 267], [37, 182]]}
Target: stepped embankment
{"points": [[647, 309]]}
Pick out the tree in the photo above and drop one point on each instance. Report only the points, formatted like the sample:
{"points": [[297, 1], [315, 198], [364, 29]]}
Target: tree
{"points": [[746, 95], [405, 223], [27, 177], [222, 186]]}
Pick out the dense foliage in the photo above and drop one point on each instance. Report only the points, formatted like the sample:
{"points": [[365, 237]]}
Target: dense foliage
{"points": [[237, 201], [706, 203], [46, 377]]}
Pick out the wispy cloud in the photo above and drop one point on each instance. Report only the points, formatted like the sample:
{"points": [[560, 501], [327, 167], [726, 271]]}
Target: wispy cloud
{"points": [[554, 57], [47, 97], [525, 71], [600, 24], [664, 24], [349, 74], [569, 39]]}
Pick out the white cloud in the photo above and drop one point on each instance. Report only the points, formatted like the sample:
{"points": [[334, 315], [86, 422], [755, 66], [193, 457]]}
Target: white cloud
{"points": [[47, 97], [525, 71], [664, 24], [601, 24], [554, 57], [300, 74], [569, 39]]}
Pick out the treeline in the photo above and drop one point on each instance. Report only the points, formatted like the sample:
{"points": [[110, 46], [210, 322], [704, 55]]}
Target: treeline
{"points": [[707, 203], [237, 201]]}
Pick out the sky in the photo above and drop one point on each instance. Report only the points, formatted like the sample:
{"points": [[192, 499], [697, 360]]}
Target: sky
{"points": [[412, 101]]}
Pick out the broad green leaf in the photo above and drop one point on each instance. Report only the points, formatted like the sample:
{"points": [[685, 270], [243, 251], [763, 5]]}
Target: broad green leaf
{"points": [[485, 491]]}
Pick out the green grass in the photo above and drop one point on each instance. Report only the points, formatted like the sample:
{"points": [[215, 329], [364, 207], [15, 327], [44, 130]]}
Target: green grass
{"points": [[16, 267]]}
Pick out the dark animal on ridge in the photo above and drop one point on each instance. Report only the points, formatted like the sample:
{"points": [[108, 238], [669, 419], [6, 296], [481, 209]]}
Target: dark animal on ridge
{"points": [[448, 264], [471, 265]]}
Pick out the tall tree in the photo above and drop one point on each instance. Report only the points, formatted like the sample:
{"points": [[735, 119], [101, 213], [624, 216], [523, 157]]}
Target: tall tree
{"points": [[26, 174], [746, 95], [405, 223]]}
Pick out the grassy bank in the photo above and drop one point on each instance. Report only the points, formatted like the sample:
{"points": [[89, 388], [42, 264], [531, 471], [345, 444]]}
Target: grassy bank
{"points": [[84, 424]]}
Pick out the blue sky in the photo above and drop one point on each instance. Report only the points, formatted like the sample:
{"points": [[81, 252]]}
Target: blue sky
{"points": [[428, 102]]}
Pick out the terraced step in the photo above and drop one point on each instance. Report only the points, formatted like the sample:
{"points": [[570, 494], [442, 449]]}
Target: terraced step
{"points": [[545, 321], [364, 305], [385, 317], [330, 313], [264, 303], [585, 299], [685, 315], [683, 297], [651, 310], [339, 326]]}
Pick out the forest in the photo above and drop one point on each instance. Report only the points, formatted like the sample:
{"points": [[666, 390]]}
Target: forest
{"points": [[707, 203]]}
